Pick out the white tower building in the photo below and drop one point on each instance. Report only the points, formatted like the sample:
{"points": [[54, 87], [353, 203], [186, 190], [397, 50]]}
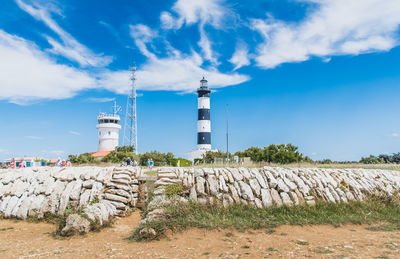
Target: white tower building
{"points": [[108, 130]]}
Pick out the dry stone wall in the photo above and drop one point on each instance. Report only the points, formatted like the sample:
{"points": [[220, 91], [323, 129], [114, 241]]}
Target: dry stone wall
{"points": [[100, 192], [274, 186]]}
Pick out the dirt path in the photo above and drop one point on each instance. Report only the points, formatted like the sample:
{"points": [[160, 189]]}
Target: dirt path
{"points": [[20, 239]]}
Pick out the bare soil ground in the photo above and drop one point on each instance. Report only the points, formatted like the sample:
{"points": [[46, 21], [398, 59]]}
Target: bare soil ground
{"points": [[20, 239]]}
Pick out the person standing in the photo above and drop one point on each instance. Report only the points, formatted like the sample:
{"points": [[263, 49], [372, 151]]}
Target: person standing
{"points": [[58, 163], [12, 163], [128, 161], [151, 163], [22, 163]]}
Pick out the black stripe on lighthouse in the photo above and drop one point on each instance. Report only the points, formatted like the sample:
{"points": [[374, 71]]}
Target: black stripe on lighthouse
{"points": [[204, 114], [203, 138]]}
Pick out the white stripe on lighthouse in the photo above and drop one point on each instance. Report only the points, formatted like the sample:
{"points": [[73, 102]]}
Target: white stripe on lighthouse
{"points": [[204, 126], [203, 103]]}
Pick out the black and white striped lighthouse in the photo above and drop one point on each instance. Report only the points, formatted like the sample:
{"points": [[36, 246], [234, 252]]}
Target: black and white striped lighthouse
{"points": [[203, 122]]}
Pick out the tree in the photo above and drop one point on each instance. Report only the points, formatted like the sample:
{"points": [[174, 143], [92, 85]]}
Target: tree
{"points": [[255, 153], [159, 159], [369, 160], [125, 149], [85, 158], [118, 157], [210, 156], [282, 154]]}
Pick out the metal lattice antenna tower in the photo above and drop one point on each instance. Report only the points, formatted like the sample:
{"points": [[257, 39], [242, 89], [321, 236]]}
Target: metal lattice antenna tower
{"points": [[130, 137]]}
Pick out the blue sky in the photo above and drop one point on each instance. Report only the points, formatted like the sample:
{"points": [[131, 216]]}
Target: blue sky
{"points": [[321, 74]]}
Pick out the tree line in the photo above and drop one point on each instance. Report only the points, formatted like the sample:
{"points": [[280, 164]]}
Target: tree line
{"points": [[121, 154], [382, 159], [279, 154], [276, 154]]}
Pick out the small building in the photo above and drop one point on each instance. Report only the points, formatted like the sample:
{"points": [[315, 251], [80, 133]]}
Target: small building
{"points": [[29, 161], [100, 155]]}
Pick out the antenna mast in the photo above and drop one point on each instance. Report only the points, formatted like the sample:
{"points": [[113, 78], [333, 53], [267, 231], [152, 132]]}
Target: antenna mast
{"points": [[130, 116]]}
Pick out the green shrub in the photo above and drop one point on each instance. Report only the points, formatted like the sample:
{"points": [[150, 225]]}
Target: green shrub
{"points": [[173, 190]]}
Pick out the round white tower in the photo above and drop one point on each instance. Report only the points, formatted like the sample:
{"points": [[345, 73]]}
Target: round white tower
{"points": [[108, 130]]}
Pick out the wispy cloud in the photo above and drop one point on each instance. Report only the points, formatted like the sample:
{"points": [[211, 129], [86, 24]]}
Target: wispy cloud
{"points": [[99, 100], [69, 47], [35, 84], [33, 137], [3, 151], [336, 27], [74, 133], [174, 73], [241, 57], [393, 135], [204, 12]]}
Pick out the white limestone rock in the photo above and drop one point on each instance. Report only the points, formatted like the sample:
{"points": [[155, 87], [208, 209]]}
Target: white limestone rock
{"points": [[84, 198], [76, 190], [234, 193], [282, 187], [113, 197], [236, 175], [23, 209], [193, 194], [255, 186], [271, 179], [294, 198], [286, 199], [266, 198], [259, 178], [245, 173], [4, 203], [258, 203], [36, 205], [10, 206], [200, 182], [213, 184], [276, 198], [247, 194], [64, 198]]}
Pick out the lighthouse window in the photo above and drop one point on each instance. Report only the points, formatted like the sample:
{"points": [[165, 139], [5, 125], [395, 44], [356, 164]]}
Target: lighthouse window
{"points": [[109, 133], [99, 132], [204, 138]]}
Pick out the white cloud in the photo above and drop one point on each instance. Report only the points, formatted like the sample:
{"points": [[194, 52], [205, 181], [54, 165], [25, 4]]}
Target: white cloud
{"points": [[175, 73], [74, 133], [142, 35], [28, 74], [202, 12], [394, 135], [335, 27], [167, 21], [70, 47], [205, 11], [100, 100], [205, 46], [3, 151], [241, 57], [33, 137]]}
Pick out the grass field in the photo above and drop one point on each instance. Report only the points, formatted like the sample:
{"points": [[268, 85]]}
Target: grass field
{"points": [[382, 210]]}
